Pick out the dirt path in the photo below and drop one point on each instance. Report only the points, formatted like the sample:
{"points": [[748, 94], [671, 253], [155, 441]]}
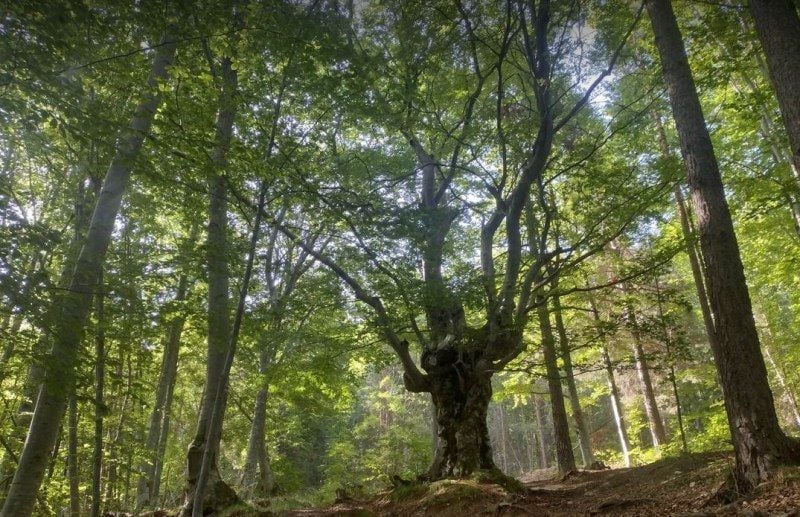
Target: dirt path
{"points": [[674, 486]]}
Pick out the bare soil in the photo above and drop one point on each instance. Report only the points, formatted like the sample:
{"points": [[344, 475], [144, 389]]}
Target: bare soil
{"points": [[684, 486]]}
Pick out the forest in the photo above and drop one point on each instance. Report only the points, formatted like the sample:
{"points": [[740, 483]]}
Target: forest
{"points": [[399, 257]]}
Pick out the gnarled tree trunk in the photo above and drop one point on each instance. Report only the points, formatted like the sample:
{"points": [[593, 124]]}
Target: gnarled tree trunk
{"points": [[461, 393]]}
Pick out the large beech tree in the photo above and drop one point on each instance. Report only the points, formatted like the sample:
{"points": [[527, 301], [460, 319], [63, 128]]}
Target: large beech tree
{"points": [[463, 342]]}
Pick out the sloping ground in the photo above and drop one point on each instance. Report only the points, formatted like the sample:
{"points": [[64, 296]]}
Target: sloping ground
{"points": [[673, 486]]}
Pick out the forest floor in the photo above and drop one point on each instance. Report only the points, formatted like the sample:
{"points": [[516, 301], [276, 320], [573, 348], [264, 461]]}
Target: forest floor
{"points": [[683, 485]]}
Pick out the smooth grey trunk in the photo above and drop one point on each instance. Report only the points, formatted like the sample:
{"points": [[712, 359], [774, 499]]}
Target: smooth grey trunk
{"points": [[616, 400], [221, 399], [163, 438], [72, 459], [563, 443], [74, 303], [584, 440], [541, 433], [257, 478], [99, 403], [166, 382], [758, 441], [203, 449], [657, 431]]}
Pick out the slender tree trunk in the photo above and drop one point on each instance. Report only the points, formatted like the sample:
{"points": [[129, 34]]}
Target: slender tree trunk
{"points": [[166, 382], [670, 360], [221, 399], [503, 436], [657, 431], [778, 28], [758, 441], [577, 413], [72, 460], [788, 394], [541, 432], [99, 409], [74, 303], [257, 480], [203, 448], [616, 400], [564, 455], [35, 372]]}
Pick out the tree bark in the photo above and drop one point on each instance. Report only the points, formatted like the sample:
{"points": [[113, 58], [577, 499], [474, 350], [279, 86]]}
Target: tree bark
{"points": [[461, 394], [257, 479], [671, 364], [218, 292], [563, 443], [778, 28], [74, 303], [758, 441], [584, 440]]}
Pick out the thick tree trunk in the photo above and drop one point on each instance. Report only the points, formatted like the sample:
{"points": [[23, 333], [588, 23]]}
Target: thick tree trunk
{"points": [[461, 394], [166, 382], [563, 443], [758, 441], [657, 431], [778, 28], [74, 303], [577, 413], [689, 239]]}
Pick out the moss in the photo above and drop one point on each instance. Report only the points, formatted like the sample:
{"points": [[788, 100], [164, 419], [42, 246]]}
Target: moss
{"points": [[449, 491], [496, 476], [406, 492]]}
